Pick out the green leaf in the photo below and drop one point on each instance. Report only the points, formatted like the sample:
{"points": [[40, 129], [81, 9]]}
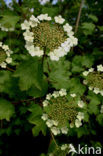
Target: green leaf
{"points": [[39, 126], [36, 111], [93, 104], [58, 73], [76, 86], [6, 109], [30, 74], [100, 119], [93, 17], [80, 62], [9, 21], [88, 28], [35, 92]]}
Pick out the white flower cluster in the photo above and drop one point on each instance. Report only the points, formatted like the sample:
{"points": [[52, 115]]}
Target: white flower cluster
{"points": [[101, 111], [70, 41], [56, 53], [53, 125], [8, 52], [80, 116], [94, 89], [6, 29]]}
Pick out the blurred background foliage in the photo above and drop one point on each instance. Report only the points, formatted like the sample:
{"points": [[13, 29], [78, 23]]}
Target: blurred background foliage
{"points": [[17, 94]]}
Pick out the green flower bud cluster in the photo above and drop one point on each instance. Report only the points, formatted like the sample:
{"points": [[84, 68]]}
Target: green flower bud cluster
{"points": [[62, 113], [94, 79]]}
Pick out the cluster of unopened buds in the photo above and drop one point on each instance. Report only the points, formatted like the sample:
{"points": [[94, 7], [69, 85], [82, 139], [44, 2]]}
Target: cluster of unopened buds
{"points": [[55, 107], [5, 28], [94, 79], [5, 53], [48, 36]]}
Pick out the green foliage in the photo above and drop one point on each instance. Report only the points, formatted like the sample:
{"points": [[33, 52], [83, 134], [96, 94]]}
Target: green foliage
{"points": [[30, 74], [35, 119], [88, 28], [59, 72], [6, 109], [9, 21]]}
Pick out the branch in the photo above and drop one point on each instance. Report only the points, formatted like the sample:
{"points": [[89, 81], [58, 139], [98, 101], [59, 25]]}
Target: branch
{"points": [[78, 17], [54, 139]]}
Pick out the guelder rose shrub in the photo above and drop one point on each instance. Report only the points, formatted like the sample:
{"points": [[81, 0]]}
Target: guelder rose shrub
{"points": [[51, 79]]}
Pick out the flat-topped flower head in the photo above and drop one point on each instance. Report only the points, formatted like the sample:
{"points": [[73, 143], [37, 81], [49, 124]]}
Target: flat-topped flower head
{"points": [[48, 36], [5, 53], [94, 79], [61, 111]]}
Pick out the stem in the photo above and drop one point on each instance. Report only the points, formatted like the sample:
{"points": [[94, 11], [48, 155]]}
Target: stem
{"points": [[78, 17], [54, 139], [10, 69]]}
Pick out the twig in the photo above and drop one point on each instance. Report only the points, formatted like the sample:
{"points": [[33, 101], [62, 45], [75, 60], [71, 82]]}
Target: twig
{"points": [[8, 68], [78, 17], [27, 100], [54, 139]]}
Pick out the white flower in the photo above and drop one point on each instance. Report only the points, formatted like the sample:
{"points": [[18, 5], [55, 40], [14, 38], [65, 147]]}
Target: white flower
{"points": [[55, 94], [55, 130], [64, 130], [44, 17], [64, 147], [101, 92], [96, 90], [85, 73], [100, 68], [78, 123], [90, 88], [74, 40], [71, 125], [53, 56], [28, 36], [59, 19], [8, 60], [67, 27], [44, 117], [33, 21], [55, 123], [3, 65], [91, 69], [101, 111], [1, 44], [48, 96], [80, 116], [5, 47], [81, 104], [49, 123], [62, 92], [73, 95], [85, 82], [45, 103], [25, 25]]}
